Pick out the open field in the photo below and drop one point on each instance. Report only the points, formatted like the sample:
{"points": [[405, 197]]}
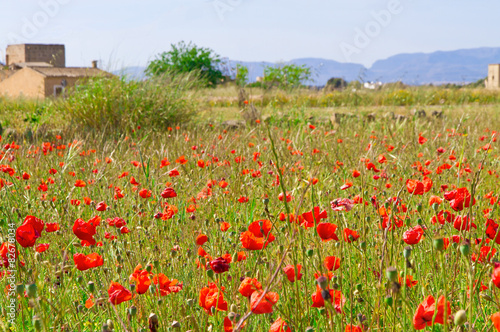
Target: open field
{"points": [[291, 224]]}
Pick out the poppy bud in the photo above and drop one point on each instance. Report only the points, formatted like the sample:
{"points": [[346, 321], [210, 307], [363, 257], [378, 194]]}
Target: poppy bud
{"points": [[32, 290], [310, 252], [460, 317], [132, 287], [152, 289], [110, 324], [234, 308], [335, 286], [37, 322], [438, 244], [389, 300], [91, 286], [367, 218], [176, 324], [232, 316], [153, 322], [20, 289], [465, 249], [322, 282], [420, 221], [362, 245], [485, 296], [392, 274], [310, 329], [234, 258], [325, 294], [219, 265], [105, 328], [419, 208], [265, 201], [407, 252], [435, 207], [132, 311], [212, 310], [210, 274], [189, 302], [359, 287], [158, 215]]}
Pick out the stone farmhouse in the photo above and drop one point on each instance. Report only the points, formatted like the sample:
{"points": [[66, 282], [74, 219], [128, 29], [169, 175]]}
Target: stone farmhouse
{"points": [[39, 71], [493, 80]]}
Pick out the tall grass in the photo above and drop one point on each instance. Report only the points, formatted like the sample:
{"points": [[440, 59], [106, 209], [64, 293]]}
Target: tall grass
{"points": [[117, 104]]}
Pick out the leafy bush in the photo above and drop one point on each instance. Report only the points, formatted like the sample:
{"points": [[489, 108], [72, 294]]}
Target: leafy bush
{"points": [[287, 75], [117, 104], [241, 75], [182, 59]]}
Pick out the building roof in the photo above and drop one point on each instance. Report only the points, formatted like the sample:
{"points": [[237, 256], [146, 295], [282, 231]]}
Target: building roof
{"points": [[32, 64], [69, 71]]}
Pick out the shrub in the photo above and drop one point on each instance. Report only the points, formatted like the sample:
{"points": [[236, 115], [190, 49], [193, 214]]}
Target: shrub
{"points": [[116, 104]]}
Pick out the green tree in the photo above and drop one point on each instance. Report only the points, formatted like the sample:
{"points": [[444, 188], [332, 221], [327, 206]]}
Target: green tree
{"points": [[241, 75], [185, 58], [287, 75]]}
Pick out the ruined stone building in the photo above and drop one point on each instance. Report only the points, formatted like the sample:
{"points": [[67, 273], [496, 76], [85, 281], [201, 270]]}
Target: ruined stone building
{"points": [[39, 71], [493, 80]]}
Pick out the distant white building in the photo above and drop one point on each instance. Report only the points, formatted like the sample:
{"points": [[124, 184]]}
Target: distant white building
{"points": [[372, 85]]}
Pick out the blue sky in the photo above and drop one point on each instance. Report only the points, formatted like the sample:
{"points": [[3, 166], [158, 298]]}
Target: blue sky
{"points": [[131, 32]]}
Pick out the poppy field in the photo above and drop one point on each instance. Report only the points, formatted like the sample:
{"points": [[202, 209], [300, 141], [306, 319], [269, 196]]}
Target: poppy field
{"points": [[364, 226]]}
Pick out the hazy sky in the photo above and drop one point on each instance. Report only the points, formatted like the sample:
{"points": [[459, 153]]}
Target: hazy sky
{"points": [[131, 32]]}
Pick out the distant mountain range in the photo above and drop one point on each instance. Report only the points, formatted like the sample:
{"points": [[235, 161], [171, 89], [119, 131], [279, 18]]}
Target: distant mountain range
{"points": [[461, 66]]}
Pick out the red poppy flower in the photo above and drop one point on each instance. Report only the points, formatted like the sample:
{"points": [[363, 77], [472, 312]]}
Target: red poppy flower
{"points": [[118, 294], [346, 185], [495, 277], [415, 187], [342, 204], [85, 262], [331, 263], [290, 272], [495, 318], [166, 285], [86, 230], [258, 235], [354, 328], [101, 206], [173, 173], [30, 230], [336, 298], [443, 216], [355, 174], [42, 247], [326, 231], [280, 325], [409, 281], [248, 286], [181, 160], [8, 254], [462, 223], [265, 305], [313, 217], [421, 139], [459, 199], [116, 221], [413, 235], [80, 183], [491, 230], [485, 254], [168, 193], [350, 235], [243, 199], [219, 265], [289, 197], [144, 193], [426, 311], [201, 239], [212, 297], [224, 226]]}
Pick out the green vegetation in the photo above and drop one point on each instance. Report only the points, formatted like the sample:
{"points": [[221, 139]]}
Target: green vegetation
{"points": [[187, 58], [286, 75]]}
